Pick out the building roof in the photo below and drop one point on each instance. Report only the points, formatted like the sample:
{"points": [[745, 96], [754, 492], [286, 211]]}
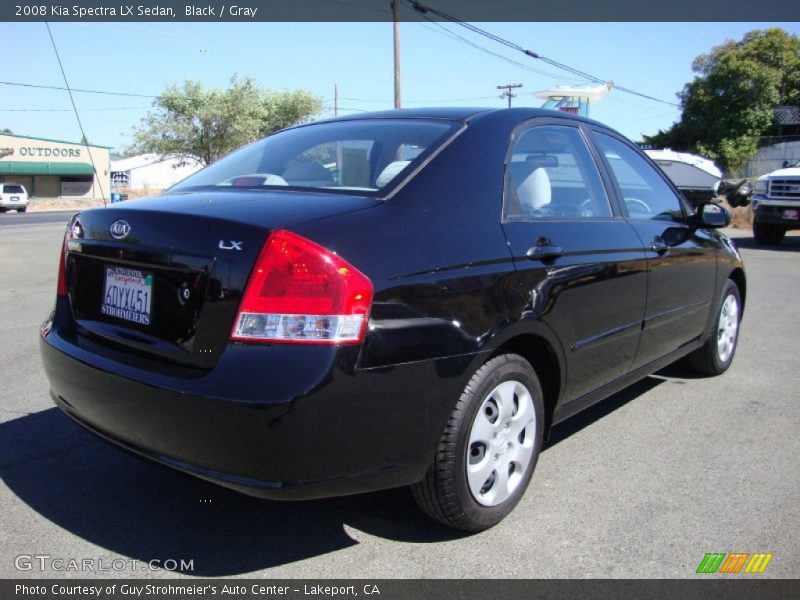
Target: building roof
{"points": [[41, 139]]}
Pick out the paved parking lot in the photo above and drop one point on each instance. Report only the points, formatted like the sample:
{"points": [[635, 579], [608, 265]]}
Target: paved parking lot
{"points": [[642, 485]]}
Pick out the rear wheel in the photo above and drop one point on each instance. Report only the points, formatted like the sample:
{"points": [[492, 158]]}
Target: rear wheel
{"points": [[489, 447], [716, 355], [22, 209], [768, 234]]}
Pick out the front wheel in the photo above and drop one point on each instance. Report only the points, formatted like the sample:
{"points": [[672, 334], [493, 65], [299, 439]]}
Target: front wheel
{"points": [[716, 355], [489, 447]]}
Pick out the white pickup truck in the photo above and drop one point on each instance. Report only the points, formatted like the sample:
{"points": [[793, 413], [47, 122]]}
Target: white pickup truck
{"points": [[776, 204]]}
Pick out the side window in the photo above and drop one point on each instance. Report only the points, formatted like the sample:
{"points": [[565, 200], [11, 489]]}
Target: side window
{"points": [[551, 173], [644, 191]]}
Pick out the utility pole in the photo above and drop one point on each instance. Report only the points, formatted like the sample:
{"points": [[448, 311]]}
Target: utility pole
{"points": [[508, 93], [335, 99], [396, 23]]}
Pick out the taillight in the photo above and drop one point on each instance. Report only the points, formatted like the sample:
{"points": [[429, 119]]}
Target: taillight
{"points": [[61, 288], [299, 292], [73, 231]]}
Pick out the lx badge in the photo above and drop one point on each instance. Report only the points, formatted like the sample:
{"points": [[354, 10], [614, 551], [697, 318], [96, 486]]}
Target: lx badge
{"points": [[230, 246]]}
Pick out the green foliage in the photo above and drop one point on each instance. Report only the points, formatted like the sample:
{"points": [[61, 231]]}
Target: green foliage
{"points": [[6, 130], [190, 121], [288, 107], [730, 102]]}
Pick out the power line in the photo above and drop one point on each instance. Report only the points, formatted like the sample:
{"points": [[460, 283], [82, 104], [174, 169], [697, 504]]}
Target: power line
{"points": [[514, 46], [69, 109], [663, 111], [383, 101], [75, 108], [452, 99], [56, 87], [442, 30]]}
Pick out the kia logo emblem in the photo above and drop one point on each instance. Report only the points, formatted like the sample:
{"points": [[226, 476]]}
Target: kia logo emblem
{"points": [[119, 230]]}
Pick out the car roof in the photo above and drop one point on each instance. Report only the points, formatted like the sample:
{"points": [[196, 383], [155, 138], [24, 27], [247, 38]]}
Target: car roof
{"points": [[467, 114], [461, 113]]}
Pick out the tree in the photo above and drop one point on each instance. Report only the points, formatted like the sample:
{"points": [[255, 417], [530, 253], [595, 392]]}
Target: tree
{"points": [[6, 130], [191, 122], [729, 104]]}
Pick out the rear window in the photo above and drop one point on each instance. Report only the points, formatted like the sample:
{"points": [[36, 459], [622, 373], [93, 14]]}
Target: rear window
{"points": [[358, 156], [13, 189]]}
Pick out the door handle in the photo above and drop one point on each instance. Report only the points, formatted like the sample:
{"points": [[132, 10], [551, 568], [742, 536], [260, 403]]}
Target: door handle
{"points": [[659, 246], [544, 250]]}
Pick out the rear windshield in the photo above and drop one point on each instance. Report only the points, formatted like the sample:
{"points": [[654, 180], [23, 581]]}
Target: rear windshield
{"points": [[13, 189], [359, 156]]}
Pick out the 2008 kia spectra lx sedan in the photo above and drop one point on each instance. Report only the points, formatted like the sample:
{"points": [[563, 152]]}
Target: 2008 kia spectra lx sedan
{"points": [[401, 298]]}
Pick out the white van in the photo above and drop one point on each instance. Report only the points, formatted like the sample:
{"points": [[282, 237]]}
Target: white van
{"points": [[13, 196]]}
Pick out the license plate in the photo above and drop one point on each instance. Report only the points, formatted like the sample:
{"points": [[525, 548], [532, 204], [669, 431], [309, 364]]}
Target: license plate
{"points": [[791, 213], [15, 198], [127, 294]]}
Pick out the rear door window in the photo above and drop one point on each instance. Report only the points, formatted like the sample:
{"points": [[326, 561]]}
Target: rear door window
{"points": [[551, 173]]}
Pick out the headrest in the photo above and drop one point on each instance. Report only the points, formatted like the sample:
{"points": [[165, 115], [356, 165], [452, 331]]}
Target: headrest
{"points": [[390, 172], [535, 192]]}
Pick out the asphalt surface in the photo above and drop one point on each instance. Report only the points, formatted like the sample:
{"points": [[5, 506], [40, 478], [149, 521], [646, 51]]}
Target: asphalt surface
{"points": [[642, 485], [32, 219]]}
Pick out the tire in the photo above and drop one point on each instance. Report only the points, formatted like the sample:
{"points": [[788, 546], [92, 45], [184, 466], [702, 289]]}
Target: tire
{"points": [[767, 234], [22, 209], [716, 355], [477, 440]]}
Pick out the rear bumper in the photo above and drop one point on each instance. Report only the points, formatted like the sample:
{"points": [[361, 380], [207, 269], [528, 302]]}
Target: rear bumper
{"points": [[291, 422]]}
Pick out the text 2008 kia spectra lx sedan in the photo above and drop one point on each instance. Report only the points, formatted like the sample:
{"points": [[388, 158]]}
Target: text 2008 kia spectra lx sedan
{"points": [[400, 298]]}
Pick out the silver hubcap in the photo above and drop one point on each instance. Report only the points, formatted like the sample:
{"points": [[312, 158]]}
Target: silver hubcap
{"points": [[727, 328], [500, 443]]}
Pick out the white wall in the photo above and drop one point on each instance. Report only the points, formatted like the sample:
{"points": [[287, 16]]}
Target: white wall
{"points": [[768, 159], [155, 175]]}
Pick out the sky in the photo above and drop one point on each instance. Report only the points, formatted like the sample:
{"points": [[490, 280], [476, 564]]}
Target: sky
{"points": [[437, 70]]}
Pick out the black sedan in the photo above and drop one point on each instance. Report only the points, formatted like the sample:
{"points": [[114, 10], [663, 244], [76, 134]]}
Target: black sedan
{"points": [[399, 298]]}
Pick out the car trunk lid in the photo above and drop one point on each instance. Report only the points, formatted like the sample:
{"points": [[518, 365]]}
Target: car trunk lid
{"points": [[163, 277]]}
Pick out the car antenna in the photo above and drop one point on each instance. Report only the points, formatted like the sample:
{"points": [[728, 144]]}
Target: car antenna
{"points": [[85, 140]]}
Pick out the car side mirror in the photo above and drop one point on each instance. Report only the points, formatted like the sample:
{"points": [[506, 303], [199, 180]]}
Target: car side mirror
{"points": [[713, 216], [737, 193], [745, 190]]}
